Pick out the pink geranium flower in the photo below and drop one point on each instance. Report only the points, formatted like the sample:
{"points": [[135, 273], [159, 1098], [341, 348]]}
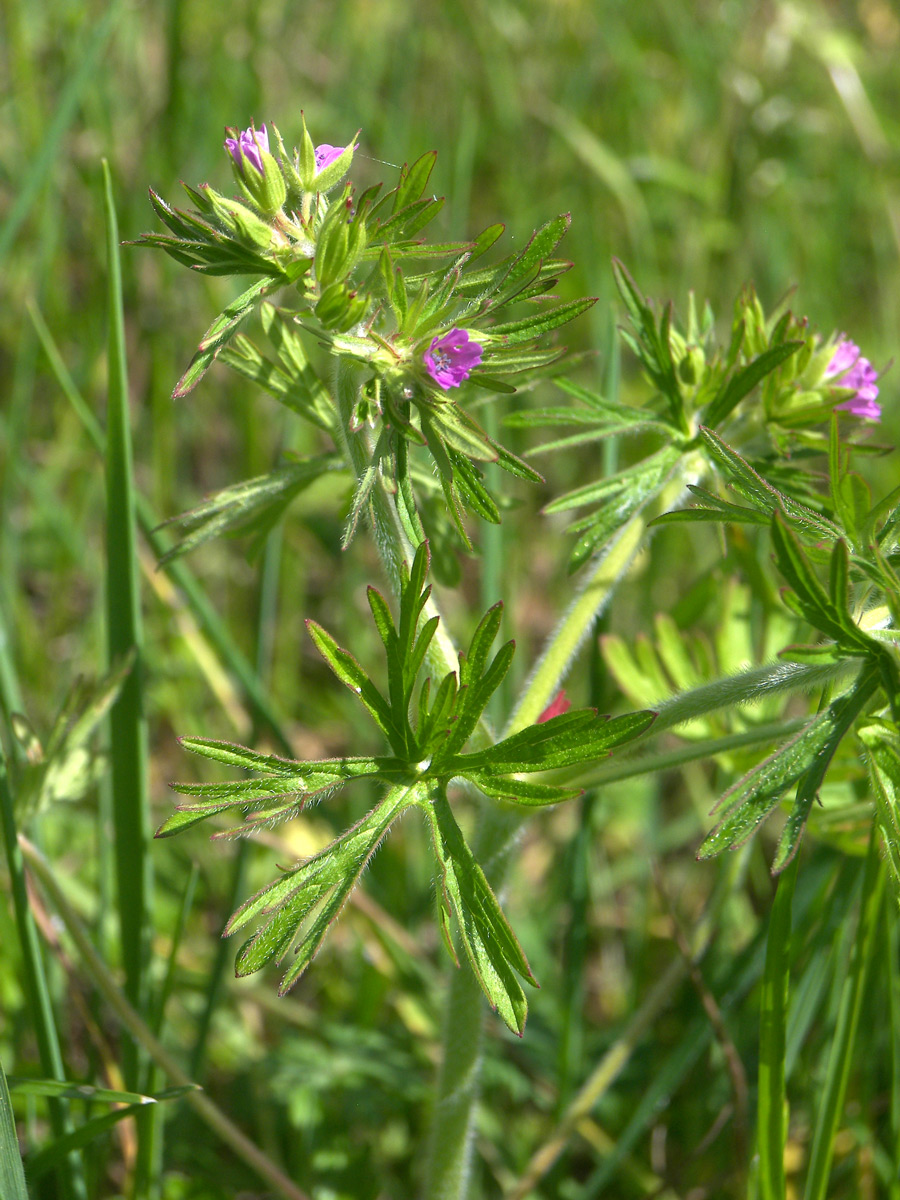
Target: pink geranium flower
{"points": [[451, 359], [325, 155], [848, 369]]}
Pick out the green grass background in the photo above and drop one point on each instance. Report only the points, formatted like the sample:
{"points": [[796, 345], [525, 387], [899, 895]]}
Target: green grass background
{"points": [[706, 145]]}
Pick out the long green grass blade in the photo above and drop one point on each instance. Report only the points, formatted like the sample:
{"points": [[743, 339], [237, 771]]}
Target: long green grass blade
{"points": [[35, 983], [45, 1160], [12, 1177], [893, 986], [772, 1113], [128, 731], [128, 750], [841, 1057], [74, 1091]]}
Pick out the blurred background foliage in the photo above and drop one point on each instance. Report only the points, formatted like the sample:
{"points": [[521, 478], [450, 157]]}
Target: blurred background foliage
{"points": [[706, 145]]}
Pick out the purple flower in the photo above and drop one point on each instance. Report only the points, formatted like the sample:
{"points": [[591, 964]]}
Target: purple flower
{"points": [[848, 369], [249, 145], [452, 358], [325, 155]]}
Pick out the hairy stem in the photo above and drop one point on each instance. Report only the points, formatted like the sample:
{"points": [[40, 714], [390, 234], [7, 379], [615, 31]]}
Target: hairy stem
{"points": [[602, 578], [576, 624], [459, 1078], [458, 1083]]}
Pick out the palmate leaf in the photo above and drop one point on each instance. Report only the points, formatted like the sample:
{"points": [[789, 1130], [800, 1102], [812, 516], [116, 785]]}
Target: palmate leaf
{"points": [[528, 328], [204, 246], [282, 789], [712, 508], [656, 467], [295, 911], [651, 342], [218, 335], [596, 418], [498, 285], [458, 445], [737, 386], [66, 767], [621, 496], [828, 614], [572, 738], [301, 392]]}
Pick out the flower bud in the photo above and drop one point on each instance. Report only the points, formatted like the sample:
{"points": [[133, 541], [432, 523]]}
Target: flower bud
{"points": [[340, 308], [256, 170], [340, 241], [238, 219]]}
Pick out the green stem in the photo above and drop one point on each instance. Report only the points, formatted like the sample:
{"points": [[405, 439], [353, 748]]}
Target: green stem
{"points": [[452, 1121], [576, 624], [457, 1087], [391, 538], [459, 1077], [457, 1094], [772, 1104]]}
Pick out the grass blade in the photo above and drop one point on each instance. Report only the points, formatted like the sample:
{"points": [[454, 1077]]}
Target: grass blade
{"points": [[36, 990], [128, 731], [772, 1115], [12, 1177], [128, 751], [131, 1021], [841, 1057]]}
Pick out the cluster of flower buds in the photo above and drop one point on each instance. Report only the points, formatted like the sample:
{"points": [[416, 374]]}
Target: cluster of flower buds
{"points": [[270, 182], [413, 337], [289, 191], [816, 378]]}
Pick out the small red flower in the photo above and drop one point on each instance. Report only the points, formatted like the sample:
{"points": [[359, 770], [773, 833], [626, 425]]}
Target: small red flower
{"points": [[556, 707]]}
